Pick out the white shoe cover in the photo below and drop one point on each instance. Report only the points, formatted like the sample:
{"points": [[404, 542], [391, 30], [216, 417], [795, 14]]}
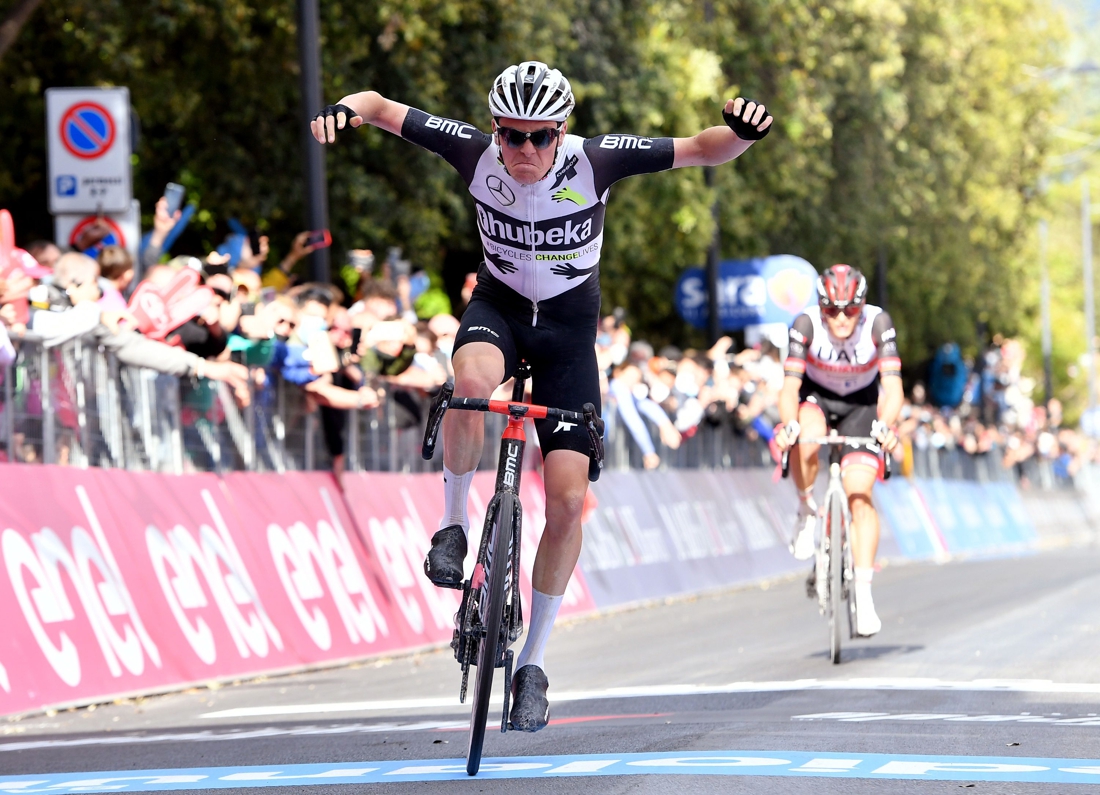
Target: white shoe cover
{"points": [[867, 620], [803, 545]]}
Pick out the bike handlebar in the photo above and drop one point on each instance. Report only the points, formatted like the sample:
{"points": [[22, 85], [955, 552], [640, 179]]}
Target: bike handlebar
{"points": [[588, 417], [839, 440]]}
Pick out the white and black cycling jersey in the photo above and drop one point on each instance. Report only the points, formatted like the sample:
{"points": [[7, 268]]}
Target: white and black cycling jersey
{"points": [[843, 367], [541, 240]]}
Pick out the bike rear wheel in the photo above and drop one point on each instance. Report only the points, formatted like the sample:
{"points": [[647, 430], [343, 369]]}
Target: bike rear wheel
{"points": [[491, 607], [837, 604]]}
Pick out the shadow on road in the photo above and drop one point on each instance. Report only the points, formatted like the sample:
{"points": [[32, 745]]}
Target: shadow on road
{"points": [[850, 653]]}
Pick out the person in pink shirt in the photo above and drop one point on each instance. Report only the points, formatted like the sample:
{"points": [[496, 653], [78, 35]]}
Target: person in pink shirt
{"points": [[116, 271]]}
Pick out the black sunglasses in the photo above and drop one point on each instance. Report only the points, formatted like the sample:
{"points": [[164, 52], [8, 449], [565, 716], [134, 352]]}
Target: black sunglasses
{"points": [[540, 139]]}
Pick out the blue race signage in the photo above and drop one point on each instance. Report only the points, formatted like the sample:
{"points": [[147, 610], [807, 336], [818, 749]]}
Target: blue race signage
{"points": [[751, 291]]}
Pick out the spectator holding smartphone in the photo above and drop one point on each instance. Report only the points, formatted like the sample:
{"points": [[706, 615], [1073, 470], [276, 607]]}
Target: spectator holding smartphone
{"points": [[281, 276], [163, 223]]}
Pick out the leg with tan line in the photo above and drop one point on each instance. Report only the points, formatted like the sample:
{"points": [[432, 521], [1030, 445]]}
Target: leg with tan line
{"points": [[859, 479]]}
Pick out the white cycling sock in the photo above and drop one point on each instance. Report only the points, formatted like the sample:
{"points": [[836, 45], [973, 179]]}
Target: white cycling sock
{"points": [[456, 494], [544, 609], [864, 575], [806, 496]]}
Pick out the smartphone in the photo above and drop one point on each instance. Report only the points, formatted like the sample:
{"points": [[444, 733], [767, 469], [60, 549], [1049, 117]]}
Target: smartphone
{"points": [[356, 336], [173, 192], [254, 241], [320, 239]]}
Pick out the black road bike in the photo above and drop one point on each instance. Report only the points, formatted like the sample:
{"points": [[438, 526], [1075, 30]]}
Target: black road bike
{"points": [[490, 616], [832, 579]]}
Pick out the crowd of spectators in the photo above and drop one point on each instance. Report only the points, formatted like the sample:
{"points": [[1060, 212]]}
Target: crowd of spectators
{"points": [[231, 316], [678, 392], [388, 334], [662, 397], [995, 414]]}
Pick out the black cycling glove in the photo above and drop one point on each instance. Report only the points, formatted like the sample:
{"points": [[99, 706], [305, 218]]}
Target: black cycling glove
{"points": [[334, 110], [746, 130]]}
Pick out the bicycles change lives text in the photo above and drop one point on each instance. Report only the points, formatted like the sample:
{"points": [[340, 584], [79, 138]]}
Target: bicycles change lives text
{"points": [[490, 616]]}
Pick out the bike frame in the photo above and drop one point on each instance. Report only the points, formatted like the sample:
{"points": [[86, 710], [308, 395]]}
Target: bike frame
{"points": [[471, 632], [833, 587]]}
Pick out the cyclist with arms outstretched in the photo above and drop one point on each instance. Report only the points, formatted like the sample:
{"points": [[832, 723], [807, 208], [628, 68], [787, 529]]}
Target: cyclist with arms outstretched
{"points": [[842, 363], [540, 195]]}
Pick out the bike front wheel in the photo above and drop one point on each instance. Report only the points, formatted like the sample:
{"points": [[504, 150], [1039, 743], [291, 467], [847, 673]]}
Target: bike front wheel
{"points": [[837, 603], [491, 608]]}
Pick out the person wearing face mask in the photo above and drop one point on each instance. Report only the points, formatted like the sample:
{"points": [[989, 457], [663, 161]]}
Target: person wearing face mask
{"points": [[842, 363], [540, 195]]}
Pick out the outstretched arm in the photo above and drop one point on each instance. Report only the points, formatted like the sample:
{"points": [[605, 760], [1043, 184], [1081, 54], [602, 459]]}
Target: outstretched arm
{"points": [[366, 107], [746, 122]]}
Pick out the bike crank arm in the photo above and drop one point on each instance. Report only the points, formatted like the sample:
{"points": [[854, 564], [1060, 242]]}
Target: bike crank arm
{"points": [[465, 675], [507, 689]]}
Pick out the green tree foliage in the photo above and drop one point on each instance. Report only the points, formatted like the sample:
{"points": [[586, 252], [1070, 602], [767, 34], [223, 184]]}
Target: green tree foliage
{"points": [[1074, 154], [903, 126]]}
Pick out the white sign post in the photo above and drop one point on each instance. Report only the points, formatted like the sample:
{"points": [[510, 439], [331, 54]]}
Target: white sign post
{"points": [[125, 229], [88, 130]]}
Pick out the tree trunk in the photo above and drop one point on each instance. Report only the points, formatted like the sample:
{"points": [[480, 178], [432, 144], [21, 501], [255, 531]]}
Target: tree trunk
{"points": [[15, 20]]}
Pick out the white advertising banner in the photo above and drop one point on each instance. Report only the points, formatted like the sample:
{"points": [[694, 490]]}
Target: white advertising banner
{"points": [[88, 134]]}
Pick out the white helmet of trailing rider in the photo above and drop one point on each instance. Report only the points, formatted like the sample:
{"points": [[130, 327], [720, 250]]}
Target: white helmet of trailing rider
{"points": [[531, 91]]}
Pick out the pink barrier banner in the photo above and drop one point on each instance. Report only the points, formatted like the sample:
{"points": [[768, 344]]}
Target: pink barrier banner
{"points": [[400, 513], [118, 582]]}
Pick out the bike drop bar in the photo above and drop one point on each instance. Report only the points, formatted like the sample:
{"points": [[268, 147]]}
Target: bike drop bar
{"points": [[516, 409]]}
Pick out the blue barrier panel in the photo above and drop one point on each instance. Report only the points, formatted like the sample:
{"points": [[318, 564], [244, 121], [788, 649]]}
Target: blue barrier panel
{"points": [[977, 517], [900, 507], [658, 534]]}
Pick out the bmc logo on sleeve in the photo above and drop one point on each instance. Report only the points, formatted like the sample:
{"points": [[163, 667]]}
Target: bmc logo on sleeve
{"points": [[625, 142], [450, 127]]}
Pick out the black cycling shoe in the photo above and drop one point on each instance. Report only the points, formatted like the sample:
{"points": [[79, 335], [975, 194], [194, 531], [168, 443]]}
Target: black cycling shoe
{"points": [[444, 562], [530, 709]]}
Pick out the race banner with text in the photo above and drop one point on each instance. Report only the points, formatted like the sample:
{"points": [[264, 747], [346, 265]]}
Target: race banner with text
{"points": [[117, 582], [122, 582]]}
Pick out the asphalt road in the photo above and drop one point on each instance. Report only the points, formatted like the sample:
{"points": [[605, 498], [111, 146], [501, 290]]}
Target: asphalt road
{"points": [[994, 662]]}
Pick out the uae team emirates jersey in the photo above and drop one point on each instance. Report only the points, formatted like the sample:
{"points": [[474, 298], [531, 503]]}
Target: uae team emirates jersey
{"points": [[846, 366], [543, 240]]}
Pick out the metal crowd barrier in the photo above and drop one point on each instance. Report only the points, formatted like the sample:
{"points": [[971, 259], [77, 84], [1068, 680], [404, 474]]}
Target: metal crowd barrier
{"points": [[75, 404]]}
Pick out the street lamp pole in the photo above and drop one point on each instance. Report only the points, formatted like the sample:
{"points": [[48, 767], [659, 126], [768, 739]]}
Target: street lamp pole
{"points": [[1044, 302], [316, 193], [1090, 301], [714, 319]]}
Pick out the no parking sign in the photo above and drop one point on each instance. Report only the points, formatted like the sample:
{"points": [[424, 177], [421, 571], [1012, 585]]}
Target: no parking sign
{"points": [[89, 144], [124, 229]]}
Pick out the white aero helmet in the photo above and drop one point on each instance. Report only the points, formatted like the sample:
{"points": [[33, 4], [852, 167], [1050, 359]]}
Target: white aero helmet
{"points": [[531, 91]]}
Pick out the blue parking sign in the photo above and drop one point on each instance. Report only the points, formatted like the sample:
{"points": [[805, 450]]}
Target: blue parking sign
{"points": [[66, 185]]}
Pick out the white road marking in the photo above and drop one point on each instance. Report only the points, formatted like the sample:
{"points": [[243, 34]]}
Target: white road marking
{"points": [[238, 734], [651, 691], [951, 717], [828, 766], [590, 766]]}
